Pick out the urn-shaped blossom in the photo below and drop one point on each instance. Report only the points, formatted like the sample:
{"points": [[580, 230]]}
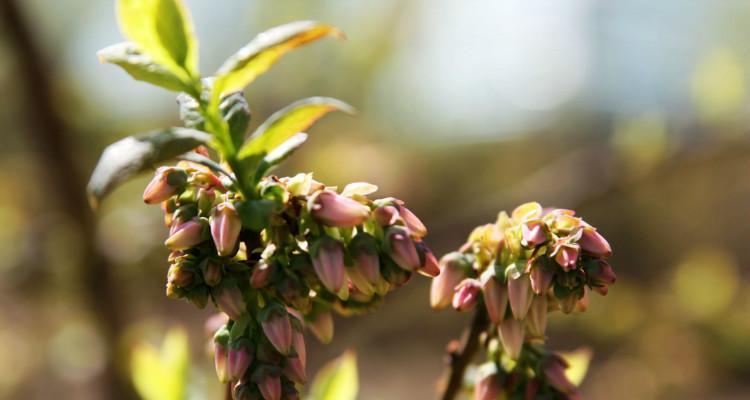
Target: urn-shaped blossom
{"points": [[594, 243], [328, 262], [229, 299], [401, 249], [239, 359], [412, 222], [567, 255], [225, 228], [277, 328], [332, 209], [495, 296], [269, 383], [536, 320], [553, 369], [452, 272], [166, 182], [321, 326], [519, 295], [511, 334], [533, 233], [184, 235]]}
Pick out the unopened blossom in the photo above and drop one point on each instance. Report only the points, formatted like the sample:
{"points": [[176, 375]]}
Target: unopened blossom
{"points": [[261, 274], [594, 243], [185, 235], [600, 276], [541, 277], [166, 182], [412, 222], [333, 209], [488, 387], [221, 353], [495, 296], [269, 385], [430, 265], [452, 272], [328, 261], [225, 228], [212, 273], [536, 320], [402, 249], [229, 299], [386, 215], [519, 295], [278, 330], [238, 361], [322, 326], [511, 332]]}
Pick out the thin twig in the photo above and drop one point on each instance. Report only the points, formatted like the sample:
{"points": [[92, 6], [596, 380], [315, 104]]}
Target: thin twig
{"points": [[460, 358]]}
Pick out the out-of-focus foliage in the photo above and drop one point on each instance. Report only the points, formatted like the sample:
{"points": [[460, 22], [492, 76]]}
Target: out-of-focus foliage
{"points": [[337, 380], [161, 373]]}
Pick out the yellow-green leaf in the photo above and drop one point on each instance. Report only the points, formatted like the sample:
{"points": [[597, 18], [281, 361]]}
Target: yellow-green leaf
{"points": [[337, 380], [140, 66], [287, 122], [161, 374], [578, 364], [163, 29], [264, 50]]}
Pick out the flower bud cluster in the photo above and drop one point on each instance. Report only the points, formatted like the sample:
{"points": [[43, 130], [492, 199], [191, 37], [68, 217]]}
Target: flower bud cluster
{"points": [[317, 251], [519, 269]]}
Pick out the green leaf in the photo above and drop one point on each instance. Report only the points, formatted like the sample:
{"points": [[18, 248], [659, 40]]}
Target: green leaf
{"points": [[140, 66], [255, 214], [279, 154], [264, 50], [235, 110], [287, 122], [129, 156], [161, 374], [163, 29], [337, 380]]}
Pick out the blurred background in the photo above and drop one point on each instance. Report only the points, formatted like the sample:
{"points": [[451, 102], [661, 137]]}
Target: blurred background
{"points": [[635, 113]]}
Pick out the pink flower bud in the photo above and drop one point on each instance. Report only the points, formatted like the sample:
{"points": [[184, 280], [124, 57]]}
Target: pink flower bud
{"points": [[179, 276], [278, 330], [594, 243], [386, 215], [452, 267], [430, 264], [488, 387], [534, 233], [332, 209], [270, 386], [402, 250], [238, 361], [230, 301], [566, 255], [541, 277], [328, 262], [322, 327], [295, 370], [600, 276], [412, 222], [225, 228], [553, 369], [568, 303], [166, 182], [495, 297], [185, 235], [520, 295], [212, 273], [365, 273], [536, 320], [298, 341], [220, 362], [583, 303], [466, 295], [261, 274], [511, 334]]}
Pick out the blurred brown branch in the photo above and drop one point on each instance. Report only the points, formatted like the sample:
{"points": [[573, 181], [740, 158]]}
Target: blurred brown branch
{"points": [[459, 359], [51, 138]]}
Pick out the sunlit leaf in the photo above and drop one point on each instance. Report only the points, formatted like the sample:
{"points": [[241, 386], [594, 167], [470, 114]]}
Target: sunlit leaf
{"points": [[337, 380], [290, 120], [280, 153], [127, 157], [359, 189], [162, 29], [578, 364], [140, 66], [264, 50], [161, 374]]}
